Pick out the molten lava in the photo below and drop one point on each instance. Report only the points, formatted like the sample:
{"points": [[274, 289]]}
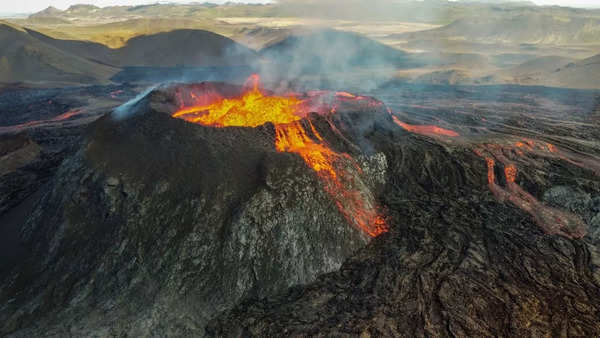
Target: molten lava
{"points": [[425, 129], [36, 123], [490, 165], [510, 171], [551, 220], [254, 108], [251, 110]]}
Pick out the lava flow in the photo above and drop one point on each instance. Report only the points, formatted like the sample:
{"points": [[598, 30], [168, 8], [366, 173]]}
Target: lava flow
{"points": [[424, 129], [36, 123], [254, 108], [551, 220]]}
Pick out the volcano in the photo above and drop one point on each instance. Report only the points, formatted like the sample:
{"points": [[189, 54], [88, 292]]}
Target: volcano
{"points": [[218, 210], [215, 209]]}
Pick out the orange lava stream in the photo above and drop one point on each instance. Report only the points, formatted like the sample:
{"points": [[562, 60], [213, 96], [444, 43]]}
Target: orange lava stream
{"points": [[490, 164], [254, 108], [551, 220], [510, 171], [58, 118], [425, 129]]}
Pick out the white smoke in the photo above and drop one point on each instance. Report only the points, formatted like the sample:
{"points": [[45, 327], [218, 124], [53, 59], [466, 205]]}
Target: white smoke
{"points": [[125, 110]]}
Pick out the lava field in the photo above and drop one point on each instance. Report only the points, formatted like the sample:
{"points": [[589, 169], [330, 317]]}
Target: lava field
{"points": [[214, 209]]}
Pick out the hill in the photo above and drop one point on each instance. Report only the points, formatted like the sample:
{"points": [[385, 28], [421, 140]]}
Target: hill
{"points": [[537, 66], [31, 56], [115, 34], [553, 71], [48, 12], [184, 47], [332, 51], [24, 58], [524, 27], [581, 74]]}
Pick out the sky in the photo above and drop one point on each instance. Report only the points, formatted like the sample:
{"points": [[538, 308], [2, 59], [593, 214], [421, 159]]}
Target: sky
{"points": [[30, 6]]}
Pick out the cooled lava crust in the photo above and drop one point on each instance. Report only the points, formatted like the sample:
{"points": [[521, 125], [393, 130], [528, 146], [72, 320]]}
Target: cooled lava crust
{"points": [[163, 226]]}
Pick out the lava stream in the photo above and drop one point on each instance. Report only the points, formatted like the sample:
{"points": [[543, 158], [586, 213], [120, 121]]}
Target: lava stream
{"points": [[425, 129], [551, 220], [58, 118], [254, 108]]}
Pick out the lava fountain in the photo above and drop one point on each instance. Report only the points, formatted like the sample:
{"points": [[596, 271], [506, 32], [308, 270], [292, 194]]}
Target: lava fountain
{"points": [[254, 108]]}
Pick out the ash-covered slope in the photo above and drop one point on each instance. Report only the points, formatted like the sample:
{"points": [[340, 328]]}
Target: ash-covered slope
{"points": [[556, 71], [156, 225], [536, 28], [320, 51], [25, 58], [32, 57], [176, 48]]}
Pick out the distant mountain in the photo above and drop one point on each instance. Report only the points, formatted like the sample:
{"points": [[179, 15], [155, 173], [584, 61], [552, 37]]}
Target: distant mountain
{"points": [[29, 56], [496, 2], [190, 10], [552, 71], [333, 51], [522, 28], [537, 66], [23, 58], [81, 9], [48, 12], [581, 74], [430, 11]]}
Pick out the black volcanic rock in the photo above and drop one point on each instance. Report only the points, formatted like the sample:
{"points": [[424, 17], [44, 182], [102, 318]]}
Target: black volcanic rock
{"points": [[456, 262], [159, 227], [156, 225]]}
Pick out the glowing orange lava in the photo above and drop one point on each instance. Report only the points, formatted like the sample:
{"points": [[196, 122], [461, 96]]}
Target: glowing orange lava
{"points": [[251, 110], [551, 220], [345, 94], [490, 164], [425, 129], [510, 171], [254, 108], [36, 123]]}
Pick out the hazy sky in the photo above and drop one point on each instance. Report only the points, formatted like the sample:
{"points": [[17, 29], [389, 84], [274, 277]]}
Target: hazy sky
{"points": [[26, 6]]}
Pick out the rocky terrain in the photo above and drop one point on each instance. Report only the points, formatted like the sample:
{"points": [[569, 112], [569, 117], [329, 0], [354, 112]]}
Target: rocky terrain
{"points": [[179, 216], [155, 226], [458, 260]]}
